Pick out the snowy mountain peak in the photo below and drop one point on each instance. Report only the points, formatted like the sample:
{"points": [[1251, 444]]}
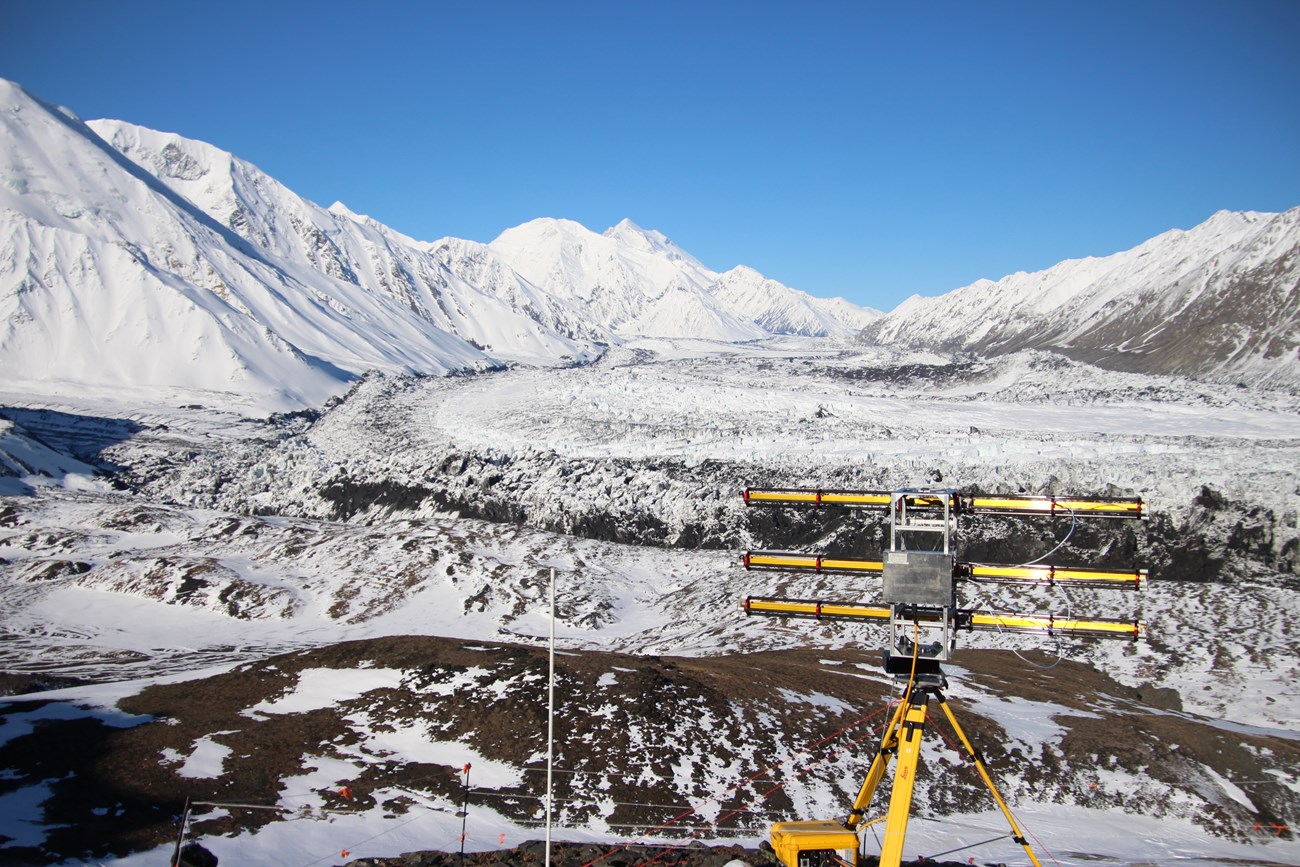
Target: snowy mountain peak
{"points": [[782, 310], [635, 281], [539, 228], [649, 240], [626, 226], [339, 209]]}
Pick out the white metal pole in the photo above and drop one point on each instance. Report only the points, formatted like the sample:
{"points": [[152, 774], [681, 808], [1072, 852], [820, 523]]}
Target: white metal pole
{"points": [[550, 725]]}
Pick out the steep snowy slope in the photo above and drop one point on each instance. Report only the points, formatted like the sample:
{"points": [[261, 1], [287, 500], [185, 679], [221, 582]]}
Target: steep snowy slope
{"points": [[476, 265], [108, 278], [515, 325], [632, 236], [25, 462], [1219, 300]]}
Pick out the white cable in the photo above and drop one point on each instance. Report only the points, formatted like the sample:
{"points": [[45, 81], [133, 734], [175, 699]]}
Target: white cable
{"points": [[1074, 520], [1060, 652]]}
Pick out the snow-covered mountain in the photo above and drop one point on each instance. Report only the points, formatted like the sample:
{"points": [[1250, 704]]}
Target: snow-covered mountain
{"points": [[109, 277], [503, 316], [782, 310], [143, 261], [638, 283], [1220, 300], [631, 282]]}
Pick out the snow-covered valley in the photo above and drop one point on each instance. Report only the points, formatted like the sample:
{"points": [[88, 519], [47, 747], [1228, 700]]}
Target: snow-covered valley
{"points": [[437, 506]]}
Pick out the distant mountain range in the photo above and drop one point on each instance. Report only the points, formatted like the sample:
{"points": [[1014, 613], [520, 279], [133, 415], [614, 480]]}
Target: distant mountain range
{"points": [[130, 257], [134, 259], [1219, 301]]}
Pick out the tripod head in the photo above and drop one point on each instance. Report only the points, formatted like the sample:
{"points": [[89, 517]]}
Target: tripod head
{"points": [[924, 673]]}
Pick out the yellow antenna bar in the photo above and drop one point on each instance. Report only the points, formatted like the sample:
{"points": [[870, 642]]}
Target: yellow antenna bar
{"points": [[816, 497], [790, 561], [776, 607], [1032, 574], [983, 621], [1130, 579], [1048, 624], [1106, 507], [1025, 505]]}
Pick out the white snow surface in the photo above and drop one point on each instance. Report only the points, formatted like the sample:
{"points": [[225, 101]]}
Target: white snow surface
{"points": [[206, 761], [322, 687]]}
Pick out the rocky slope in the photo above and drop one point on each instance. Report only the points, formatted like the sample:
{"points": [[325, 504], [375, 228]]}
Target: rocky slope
{"points": [[716, 746]]}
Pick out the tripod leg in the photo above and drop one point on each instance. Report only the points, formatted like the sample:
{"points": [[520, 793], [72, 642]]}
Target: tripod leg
{"points": [[978, 760], [888, 746], [900, 800]]}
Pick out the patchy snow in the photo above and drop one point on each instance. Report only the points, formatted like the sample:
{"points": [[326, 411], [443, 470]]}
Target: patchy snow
{"points": [[20, 812], [1028, 722], [206, 761], [324, 687], [817, 699], [1232, 790], [413, 744]]}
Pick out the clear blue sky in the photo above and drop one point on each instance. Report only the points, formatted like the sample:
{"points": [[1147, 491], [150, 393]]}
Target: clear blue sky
{"points": [[855, 148]]}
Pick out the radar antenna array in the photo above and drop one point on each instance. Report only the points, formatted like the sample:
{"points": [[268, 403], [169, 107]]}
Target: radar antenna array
{"points": [[920, 575]]}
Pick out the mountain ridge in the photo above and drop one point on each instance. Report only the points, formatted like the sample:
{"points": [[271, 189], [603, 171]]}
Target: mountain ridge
{"points": [[139, 259], [1220, 300], [109, 278]]}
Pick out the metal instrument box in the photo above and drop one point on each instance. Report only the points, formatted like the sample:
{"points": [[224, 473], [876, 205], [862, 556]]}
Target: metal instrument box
{"points": [[919, 578]]}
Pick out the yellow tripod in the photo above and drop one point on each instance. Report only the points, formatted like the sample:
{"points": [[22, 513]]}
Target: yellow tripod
{"points": [[903, 737]]}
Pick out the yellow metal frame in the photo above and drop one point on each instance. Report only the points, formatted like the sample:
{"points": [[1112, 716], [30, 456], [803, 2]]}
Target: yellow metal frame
{"points": [[903, 735]]}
